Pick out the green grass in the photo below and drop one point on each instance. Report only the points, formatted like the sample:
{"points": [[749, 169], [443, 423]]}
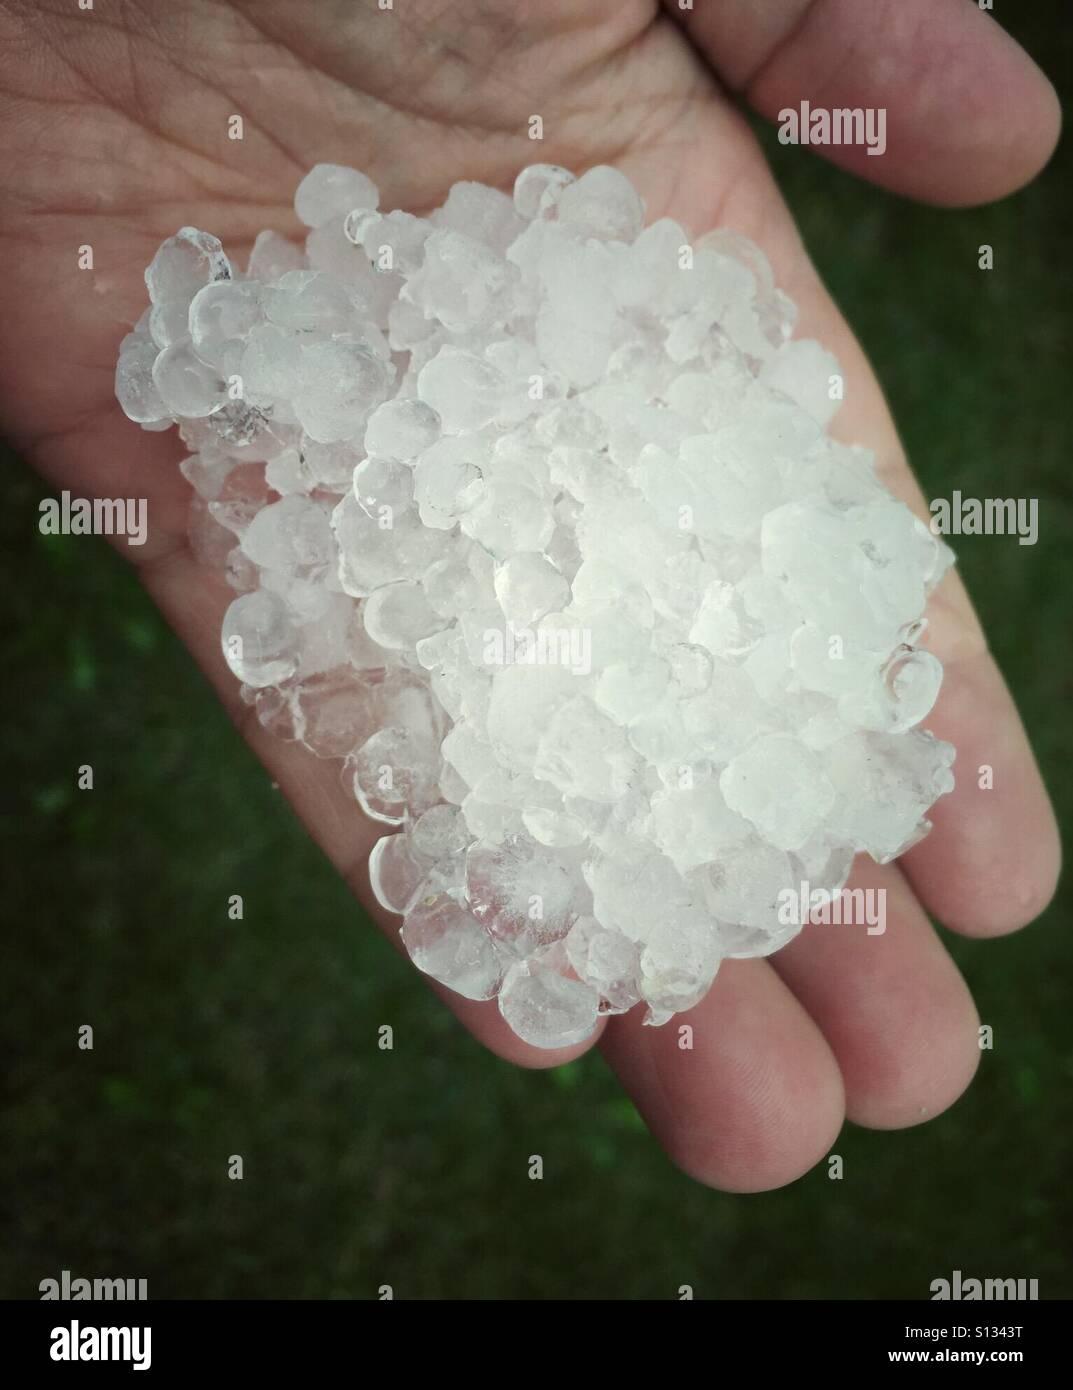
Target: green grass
{"points": [[409, 1167]]}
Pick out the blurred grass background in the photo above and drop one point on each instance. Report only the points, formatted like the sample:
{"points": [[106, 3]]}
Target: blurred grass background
{"points": [[408, 1167]]}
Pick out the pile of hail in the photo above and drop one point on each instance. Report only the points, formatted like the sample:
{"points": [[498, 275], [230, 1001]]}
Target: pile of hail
{"points": [[534, 522]]}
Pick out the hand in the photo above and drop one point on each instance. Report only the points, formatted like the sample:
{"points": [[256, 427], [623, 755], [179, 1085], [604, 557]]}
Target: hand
{"points": [[117, 134]]}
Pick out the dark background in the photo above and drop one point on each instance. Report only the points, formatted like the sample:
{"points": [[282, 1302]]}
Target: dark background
{"points": [[409, 1167]]}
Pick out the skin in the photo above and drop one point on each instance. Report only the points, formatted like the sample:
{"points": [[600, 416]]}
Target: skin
{"points": [[115, 126]]}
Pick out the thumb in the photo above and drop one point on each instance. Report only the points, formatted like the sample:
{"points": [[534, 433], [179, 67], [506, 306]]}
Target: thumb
{"points": [[969, 117]]}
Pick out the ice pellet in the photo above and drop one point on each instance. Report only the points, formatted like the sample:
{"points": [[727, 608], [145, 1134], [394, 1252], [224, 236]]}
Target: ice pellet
{"points": [[535, 525]]}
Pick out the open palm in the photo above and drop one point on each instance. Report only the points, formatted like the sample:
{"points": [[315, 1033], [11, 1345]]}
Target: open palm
{"points": [[117, 132]]}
